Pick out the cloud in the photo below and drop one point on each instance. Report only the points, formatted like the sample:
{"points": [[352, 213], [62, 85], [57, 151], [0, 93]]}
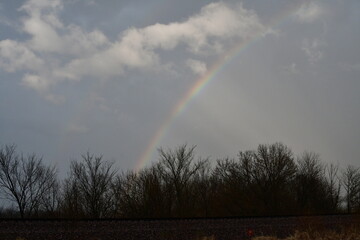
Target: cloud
{"points": [[48, 33], [309, 12], [312, 51], [76, 128], [196, 66], [55, 52], [35, 82], [350, 66], [15, 56], [56, 99], [137, 48], [291, 69]]}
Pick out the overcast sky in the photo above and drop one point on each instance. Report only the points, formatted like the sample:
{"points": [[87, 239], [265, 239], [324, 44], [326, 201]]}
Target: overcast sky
{"points": [[105, 75]]}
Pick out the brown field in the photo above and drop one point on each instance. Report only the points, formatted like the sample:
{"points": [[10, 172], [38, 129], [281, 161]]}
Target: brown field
{"points": [[347, 233], [289, 228]]}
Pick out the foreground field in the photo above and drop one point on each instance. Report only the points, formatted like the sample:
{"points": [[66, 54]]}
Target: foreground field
{"points": [[345, 227], [351, 233], [346, 233]]}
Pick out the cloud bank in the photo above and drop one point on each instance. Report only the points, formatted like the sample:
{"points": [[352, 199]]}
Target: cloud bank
{"points": [[54, 51]]}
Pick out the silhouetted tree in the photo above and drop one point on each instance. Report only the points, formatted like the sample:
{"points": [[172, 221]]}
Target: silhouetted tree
{"points": [[177, 169], [270, 170], [153, 193], [351, 183], [140, 194], [25, 180], [202, 188], [264, 181], [332, 188], [71, 204], [317, 185], [230, 190], [90, 181], [127, 195], [309, 183]]}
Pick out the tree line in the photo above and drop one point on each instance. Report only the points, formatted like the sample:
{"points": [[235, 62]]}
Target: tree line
{"points": [[267, 181]]}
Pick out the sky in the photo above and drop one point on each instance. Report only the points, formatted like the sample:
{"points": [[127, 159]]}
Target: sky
{"points": [[122, 78]]}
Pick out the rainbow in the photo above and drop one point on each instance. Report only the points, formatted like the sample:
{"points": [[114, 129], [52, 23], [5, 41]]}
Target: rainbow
{"points": [[201, 83]]}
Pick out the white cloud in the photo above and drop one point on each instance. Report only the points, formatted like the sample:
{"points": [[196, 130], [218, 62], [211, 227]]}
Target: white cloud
{"points": [[309, 12], [16, 56], [55, 51], [36, 82], [48, 33], [196, 66], [137, 48]]}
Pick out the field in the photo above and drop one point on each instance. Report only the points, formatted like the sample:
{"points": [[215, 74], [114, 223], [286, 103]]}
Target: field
{"points": [[290, 228], [347, 233]]}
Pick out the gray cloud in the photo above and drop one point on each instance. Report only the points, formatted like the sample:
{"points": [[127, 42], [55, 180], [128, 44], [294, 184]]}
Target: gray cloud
{"points": [[198, 67], [309, 12], [313, 50]]}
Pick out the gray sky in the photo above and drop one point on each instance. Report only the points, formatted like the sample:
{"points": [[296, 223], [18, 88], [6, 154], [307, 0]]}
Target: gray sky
{"points": [[104, 76]]}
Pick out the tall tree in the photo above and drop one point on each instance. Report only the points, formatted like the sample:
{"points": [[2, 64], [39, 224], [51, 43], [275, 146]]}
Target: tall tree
{"points": [[230, 189], [25, 180], [140, 195], [332, 188], [92, 179], [351, 183], [311, 183], [177, 169], [271, 168]]}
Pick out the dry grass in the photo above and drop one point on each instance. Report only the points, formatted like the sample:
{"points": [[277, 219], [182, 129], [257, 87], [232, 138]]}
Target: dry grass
{"points": [[350, 233]]}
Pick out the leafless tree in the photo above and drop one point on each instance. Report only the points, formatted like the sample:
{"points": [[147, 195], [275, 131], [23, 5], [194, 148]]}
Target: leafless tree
{"points": [[140, 194], [177, 168], [309, 183], [202, 191], [351, 184], [51, 201], [71, 203], [332, 187], [127, 195], [92, 178], [25, 180], [230, 189], [270, 169]]}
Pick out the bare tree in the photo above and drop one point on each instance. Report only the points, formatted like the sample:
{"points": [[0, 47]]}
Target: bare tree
{"points": [[128, 195], [177, 168], [231, 189], [50, 202], [309, 186], [71, 203], [25, 180], [140, 195], [92, 178], [270, 169], [201, 191], [332, 187], [351, 184]]}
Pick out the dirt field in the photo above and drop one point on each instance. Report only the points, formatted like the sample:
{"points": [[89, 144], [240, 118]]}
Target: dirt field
{"points": [[179, 229]]}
